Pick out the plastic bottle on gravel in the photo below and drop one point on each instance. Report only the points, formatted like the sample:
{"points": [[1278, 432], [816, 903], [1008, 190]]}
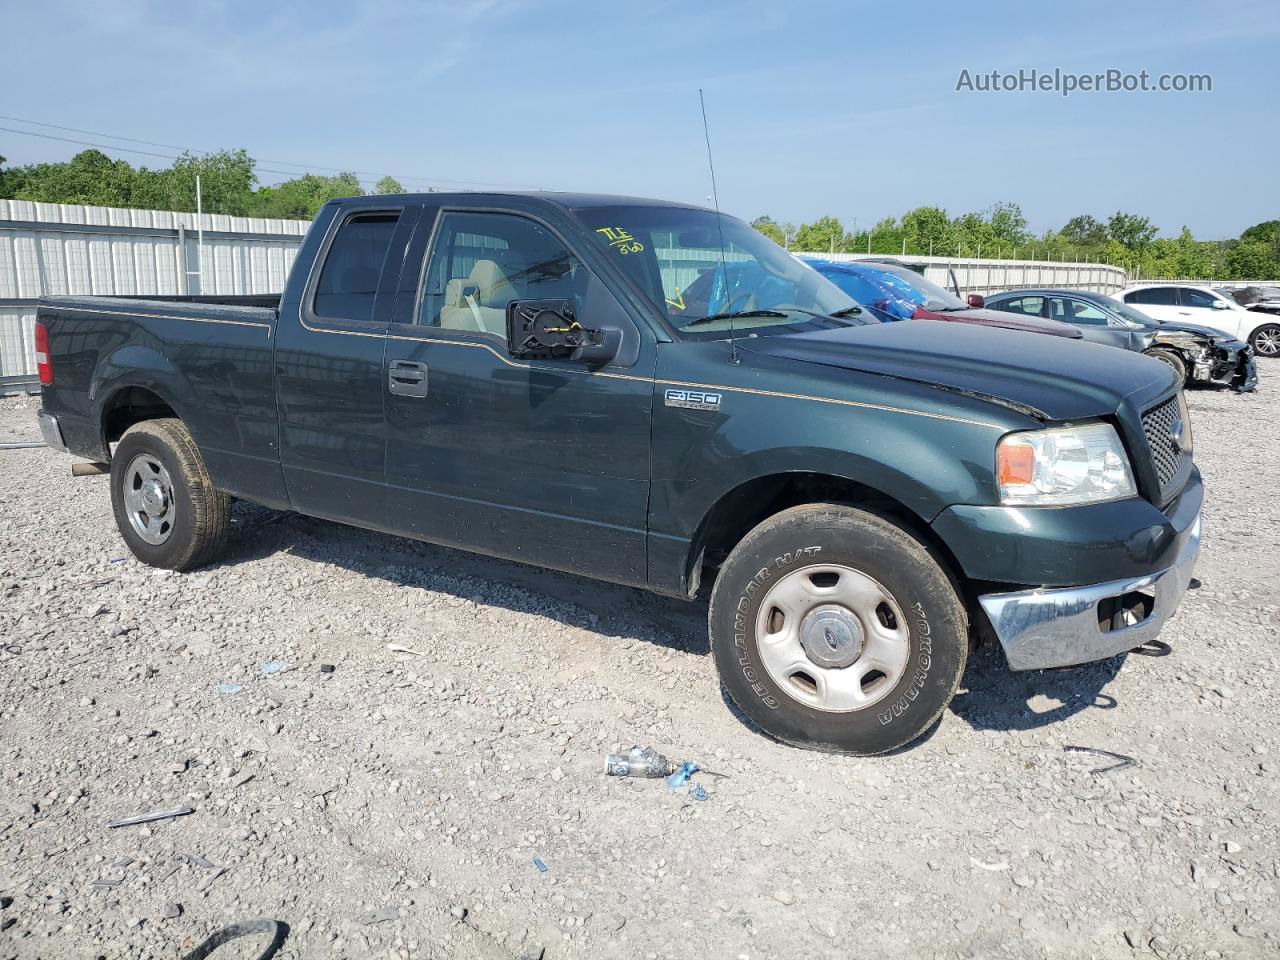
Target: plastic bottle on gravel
{"points": [[638, 762]]}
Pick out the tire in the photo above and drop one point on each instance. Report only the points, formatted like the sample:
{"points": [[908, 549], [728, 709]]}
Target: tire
{"points": [[1266, 341], [839, 705], [1171, 359], [165, 505]]}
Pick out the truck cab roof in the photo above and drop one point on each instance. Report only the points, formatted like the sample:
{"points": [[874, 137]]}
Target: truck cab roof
{"points": [[566, 201]]}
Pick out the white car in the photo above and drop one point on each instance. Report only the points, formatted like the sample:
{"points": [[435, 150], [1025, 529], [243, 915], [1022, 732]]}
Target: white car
{"points": [[1207, 307]]}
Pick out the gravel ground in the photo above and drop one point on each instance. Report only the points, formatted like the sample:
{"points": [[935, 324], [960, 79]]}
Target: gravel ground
{"points": [[395, 806]]}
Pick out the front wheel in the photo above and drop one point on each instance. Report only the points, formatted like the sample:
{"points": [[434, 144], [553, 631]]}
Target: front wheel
{"points": [[1171, 360], [835, 629], [165, 505], [1266, 340]]}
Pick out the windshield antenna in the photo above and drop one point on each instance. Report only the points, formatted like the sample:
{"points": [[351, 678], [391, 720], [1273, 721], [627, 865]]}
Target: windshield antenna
{"points": [[715, 196]]}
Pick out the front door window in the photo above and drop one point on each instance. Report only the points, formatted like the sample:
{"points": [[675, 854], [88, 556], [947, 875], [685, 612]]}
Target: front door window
{"points": [[480, 262]]}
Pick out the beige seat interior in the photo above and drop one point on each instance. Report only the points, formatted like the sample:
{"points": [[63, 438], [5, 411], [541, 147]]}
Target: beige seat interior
{"points": [[478, 302]]}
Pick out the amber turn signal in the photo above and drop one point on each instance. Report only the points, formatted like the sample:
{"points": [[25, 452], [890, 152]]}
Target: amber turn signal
{"points": [[1016, 463]]}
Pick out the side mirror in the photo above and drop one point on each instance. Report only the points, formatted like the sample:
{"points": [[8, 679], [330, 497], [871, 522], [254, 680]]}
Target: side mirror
{"points": [[549, 328], [1221, 305], [977, 301]]}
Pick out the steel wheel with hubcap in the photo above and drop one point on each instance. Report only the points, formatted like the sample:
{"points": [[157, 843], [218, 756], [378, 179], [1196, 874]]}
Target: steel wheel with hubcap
{"points": [[833, 637], [837, 629], [167, 509], [148, 498], [1266, 340]]}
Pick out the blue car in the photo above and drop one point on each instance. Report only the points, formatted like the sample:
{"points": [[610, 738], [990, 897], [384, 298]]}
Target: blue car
{"points": [[886, 294], [893, 291]]}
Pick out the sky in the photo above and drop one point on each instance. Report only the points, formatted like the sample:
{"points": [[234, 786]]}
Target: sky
{"points": [[848, 109]]}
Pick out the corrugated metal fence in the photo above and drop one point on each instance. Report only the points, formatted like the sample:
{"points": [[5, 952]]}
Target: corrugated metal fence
{"points": [[48, 249]]}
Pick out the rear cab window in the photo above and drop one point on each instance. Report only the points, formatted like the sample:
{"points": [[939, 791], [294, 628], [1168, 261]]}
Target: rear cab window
{"points": [[353, 266]]}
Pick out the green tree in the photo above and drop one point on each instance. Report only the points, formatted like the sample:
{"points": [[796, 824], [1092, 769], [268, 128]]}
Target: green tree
{"points": [[824, 235], [928, 230], [8, 181], [1008, 226], [770, 229], [388, 184], [1252, 259], [302, 197], [1268, 231], [89, 177], [885, 237], [1191, 258], [1130, 230], [1083, 231], [226, 183], [974, 236]]}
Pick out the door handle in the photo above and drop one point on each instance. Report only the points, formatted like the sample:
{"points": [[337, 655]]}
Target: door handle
{"points": [[407, 379]]}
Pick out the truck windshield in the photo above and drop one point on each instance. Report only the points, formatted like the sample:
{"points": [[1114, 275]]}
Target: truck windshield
{"points": [[674, 256]]}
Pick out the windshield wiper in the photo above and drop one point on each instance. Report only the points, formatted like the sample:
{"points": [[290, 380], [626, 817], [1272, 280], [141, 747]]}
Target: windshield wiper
{"points": [[734, 315], [846, 312]]}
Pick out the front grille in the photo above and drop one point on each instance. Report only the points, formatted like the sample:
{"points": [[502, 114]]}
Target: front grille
{"points": [[1166, 452]]}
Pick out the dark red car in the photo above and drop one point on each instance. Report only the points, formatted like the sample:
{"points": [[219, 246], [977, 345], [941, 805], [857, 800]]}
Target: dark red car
{"points": [[893, 291]]}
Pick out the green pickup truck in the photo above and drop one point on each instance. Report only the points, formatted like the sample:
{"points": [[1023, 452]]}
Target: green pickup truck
{"points": [[651, 394]]}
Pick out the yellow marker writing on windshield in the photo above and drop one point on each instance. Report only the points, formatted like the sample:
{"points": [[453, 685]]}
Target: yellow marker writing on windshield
{"points": [[678, 302], [621, 240]]}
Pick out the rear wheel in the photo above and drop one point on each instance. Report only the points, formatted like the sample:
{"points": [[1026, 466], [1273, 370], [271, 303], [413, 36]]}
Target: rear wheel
{"points": [[835, 629], [165, 505], [1172, 360], [1266, 340]]}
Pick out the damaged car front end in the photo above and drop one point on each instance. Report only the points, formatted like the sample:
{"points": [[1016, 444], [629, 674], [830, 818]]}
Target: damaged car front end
{"points": [[1210, 357], [1200, 356]]}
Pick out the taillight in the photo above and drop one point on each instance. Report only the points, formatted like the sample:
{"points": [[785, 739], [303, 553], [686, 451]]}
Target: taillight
{"points": [[44, 363]]}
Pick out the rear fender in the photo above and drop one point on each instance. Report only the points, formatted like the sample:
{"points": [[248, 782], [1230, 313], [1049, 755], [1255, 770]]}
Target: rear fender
{"points": [[141, 366]]}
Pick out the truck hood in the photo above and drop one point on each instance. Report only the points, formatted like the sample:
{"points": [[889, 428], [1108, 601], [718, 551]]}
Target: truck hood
{"points": [[1050, 378]]}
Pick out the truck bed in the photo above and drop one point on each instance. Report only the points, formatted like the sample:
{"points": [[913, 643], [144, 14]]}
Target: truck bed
{"points": [[258, 307], [206, 360]]}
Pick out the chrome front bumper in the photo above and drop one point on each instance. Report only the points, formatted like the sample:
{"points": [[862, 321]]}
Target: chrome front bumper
{"points": [[1061, 627], [51, 431]]}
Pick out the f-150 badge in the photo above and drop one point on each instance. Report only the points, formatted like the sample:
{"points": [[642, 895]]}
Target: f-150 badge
{"points": [[693, 399]]}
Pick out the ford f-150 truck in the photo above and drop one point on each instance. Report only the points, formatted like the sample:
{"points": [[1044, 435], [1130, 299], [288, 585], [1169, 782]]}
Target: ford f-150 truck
{"points": [[651, 394]]}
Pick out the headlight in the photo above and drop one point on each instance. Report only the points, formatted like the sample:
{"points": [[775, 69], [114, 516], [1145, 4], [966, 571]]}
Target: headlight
{"points": [[1063, 465]]}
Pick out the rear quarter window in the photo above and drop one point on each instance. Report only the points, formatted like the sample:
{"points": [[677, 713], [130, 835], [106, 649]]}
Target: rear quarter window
{"points": [[353, 266]]}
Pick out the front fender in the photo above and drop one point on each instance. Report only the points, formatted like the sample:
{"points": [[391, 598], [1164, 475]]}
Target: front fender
{"points": [[924, 464], [913, 472]]}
